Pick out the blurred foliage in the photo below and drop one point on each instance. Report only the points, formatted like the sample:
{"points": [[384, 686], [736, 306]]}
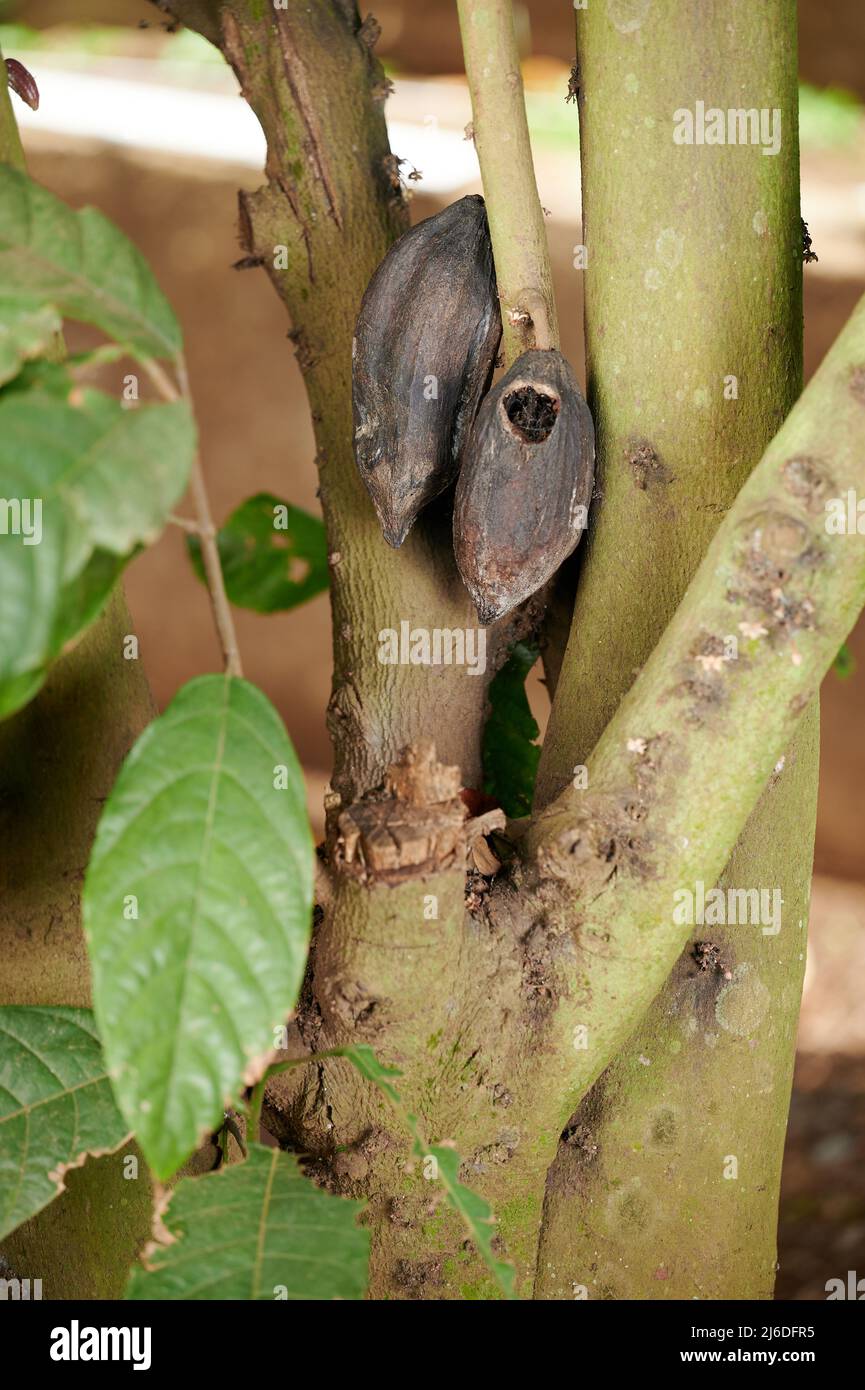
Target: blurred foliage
{"points": [[844, 664], [828, 117], [510, 752], [102, 40], [274, 555]]}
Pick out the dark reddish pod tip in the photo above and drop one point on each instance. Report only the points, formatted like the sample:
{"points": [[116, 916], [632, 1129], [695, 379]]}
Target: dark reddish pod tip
{"points": [[22, 83], [425, 342], [523, 493]]}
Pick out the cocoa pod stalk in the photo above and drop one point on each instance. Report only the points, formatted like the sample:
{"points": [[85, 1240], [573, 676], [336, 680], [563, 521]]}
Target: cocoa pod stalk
{"points": [[424, 347], [525, 485]]}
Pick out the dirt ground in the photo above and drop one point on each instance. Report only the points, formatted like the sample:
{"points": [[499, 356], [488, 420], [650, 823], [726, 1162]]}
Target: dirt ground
{"points": [[256, 436]]}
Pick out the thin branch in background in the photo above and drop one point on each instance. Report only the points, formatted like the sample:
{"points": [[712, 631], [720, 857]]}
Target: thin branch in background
{"points": [[516, 218], [185, 523], [204, 526]]}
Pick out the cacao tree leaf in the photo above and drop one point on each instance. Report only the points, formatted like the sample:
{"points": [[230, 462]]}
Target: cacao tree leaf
{"points": [[82, 265], [83, 483], [475, 1213], [274, 555], [473, 1210], [257, 1230], [364, 1060], [82, 600], [52, 378], [510, 754], [56, 1105], [844, 664], [26, 331], [197, 909]]}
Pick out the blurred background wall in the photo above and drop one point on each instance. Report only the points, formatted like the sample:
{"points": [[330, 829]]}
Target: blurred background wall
{"points": [[181, 210]]}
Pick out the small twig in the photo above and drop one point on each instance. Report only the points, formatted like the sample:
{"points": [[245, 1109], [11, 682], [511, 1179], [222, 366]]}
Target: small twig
{"points": [[501, 136], [204, 527], [161, 380], [185, 523]]}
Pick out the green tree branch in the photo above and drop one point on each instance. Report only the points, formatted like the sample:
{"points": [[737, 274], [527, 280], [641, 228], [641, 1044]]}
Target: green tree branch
{"points": [[685, 758], [501, 136]]}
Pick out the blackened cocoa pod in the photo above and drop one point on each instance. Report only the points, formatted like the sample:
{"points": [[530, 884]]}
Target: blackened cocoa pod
{"points": [[526, 481], [423, 352]]}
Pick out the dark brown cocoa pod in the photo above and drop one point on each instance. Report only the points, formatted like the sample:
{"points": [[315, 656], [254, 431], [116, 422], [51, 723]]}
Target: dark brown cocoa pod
{"points": [[424, 347], [523, 493]]}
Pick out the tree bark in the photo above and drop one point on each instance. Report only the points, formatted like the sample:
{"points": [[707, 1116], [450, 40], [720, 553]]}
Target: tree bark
{"points": [[693, 276], [59, 757]]}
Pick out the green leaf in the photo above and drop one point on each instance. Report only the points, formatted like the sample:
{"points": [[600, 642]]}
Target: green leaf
{"points": [[844, 664], [510, 754], [364, 1060], [472, 1209], [82, 600], [206, 838], [51, 378], [56, 1105], [258, 1230], [83, 484], [79, 263], [475, 1213], [274, 556], [26, 331], [829, 117]]}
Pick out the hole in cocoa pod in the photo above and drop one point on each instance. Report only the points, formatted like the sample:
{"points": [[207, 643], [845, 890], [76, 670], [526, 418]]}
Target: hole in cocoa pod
{"points": [[532, 413]]}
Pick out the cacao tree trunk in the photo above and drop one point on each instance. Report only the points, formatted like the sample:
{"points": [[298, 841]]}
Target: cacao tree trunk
{"points": [[693, 328], [59, 757]]}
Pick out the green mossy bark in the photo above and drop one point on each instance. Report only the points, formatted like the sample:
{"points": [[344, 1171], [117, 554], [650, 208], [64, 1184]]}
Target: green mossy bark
{"points": [[694, 276], [604, 865], [84, 1244], [668, 1184]]}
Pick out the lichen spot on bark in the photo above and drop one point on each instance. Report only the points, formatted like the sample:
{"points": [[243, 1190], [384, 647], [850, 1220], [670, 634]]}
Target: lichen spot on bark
{"points": [[629, 1209], [670, 247], [628, 15], [663, 1129], [807, 480], [743, 1003]]}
